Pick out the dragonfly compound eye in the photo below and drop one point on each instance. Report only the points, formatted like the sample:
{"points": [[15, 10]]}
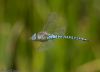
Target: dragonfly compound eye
{"points": [[33, 37]]}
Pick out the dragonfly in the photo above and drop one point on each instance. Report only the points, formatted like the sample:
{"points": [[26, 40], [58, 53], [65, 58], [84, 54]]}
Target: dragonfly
{"points": [[54, 28]]}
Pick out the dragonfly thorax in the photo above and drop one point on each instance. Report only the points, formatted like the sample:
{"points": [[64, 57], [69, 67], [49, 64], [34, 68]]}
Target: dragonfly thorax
{"points": [[42, 36]]}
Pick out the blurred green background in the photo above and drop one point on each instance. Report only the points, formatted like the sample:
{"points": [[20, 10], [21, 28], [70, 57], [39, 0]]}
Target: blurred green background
{"points": [[19, 19]]}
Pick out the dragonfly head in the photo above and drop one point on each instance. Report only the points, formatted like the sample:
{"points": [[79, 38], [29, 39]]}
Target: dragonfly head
{"points": [[33, 37]]}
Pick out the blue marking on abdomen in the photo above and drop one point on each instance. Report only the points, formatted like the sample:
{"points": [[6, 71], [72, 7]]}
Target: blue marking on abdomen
{"points": [[52, 36], [71, 37]]}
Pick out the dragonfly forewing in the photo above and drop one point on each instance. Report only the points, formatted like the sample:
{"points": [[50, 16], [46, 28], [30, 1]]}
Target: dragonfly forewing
{"points": [[55, 24]]}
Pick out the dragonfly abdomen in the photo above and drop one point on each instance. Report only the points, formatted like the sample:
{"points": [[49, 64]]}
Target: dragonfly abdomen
{"points": [[52, 36], [72, 37]]}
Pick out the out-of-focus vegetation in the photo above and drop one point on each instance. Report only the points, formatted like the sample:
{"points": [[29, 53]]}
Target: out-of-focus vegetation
{"points": [[19, 19]]}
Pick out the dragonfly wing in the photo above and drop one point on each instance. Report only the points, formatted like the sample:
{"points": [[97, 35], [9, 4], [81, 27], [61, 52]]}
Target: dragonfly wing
{"points": [[55, 24], [46, 45]]}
